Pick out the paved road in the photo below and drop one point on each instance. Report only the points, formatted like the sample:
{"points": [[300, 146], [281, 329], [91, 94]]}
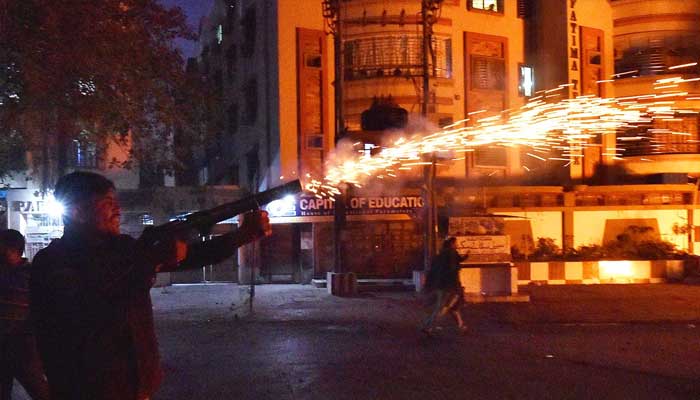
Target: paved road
{"points": [[576, 342], [598, 342]]}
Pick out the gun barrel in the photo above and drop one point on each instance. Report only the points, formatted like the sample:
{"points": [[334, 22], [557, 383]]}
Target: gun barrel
{"points": [[252, 202], [203, 220]]}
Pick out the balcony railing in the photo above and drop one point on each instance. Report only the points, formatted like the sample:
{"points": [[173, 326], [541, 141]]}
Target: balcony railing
{"points": [[654, 61], [649, 147], [676, 136], [395, 55]]}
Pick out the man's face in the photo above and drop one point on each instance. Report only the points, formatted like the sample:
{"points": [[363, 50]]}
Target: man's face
{"points": [[103, 213]]}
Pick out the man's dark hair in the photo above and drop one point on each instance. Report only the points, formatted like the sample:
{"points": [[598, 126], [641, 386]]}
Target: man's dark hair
{"points": [[12, 239], [448, 242], [80, 186]]}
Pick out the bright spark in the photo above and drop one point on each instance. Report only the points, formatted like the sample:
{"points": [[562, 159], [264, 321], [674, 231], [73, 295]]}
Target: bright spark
{"points": [[565, 128]]}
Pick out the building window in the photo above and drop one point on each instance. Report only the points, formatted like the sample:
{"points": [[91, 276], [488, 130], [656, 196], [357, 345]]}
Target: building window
{"points": [[250, 92], [523, 8], [314, 142], [444, 121], [396, 55], [146, 219], [487, 73], [219, 34], [679, 135], [495, 6], [248, 24], [490, 157], [84, 154], [526, 80]]}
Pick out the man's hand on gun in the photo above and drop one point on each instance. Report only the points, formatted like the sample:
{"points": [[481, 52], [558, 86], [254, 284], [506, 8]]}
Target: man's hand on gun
{"points": [[256, 225], [172, 250]]}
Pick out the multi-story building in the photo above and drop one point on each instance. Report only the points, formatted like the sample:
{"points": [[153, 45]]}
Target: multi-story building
{"points": [[273, 62], [657, 51]]}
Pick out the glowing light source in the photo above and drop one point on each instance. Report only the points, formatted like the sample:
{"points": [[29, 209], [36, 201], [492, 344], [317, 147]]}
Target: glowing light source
{"points": [[54, 207], [527, 81], [284, 207], [616, 269]]}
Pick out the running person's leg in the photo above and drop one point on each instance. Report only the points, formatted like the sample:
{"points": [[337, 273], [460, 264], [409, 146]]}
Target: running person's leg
{"points": [[437, 306]]}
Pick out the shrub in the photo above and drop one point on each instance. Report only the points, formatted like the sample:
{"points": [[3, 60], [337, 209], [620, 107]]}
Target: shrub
{"points": [[546, 249], [635, 243]]}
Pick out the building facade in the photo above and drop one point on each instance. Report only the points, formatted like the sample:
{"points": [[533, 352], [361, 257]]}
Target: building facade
{"points": [[274, 63]]}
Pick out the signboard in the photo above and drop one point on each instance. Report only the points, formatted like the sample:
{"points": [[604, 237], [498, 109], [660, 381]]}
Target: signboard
{"points": [[30, 206], [467, 226], [484, 248], [481, 238], [574, 59], [360, 205]]}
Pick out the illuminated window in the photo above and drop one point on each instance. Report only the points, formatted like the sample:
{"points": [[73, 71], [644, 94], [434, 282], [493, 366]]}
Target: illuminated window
{"points": [[146, 219], [219, 34], [84, 154], [526, 80], [368, 147], [495, 6]]}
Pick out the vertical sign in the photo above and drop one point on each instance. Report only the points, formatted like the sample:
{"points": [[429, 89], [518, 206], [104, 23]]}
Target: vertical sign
{"points": [[574, 52], [574, 58]]}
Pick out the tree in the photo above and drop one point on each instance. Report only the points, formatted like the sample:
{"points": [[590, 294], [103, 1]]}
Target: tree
{"points": [[95, 70]]}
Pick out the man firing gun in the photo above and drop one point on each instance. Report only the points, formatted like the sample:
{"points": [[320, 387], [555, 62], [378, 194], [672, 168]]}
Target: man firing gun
{"points": [[90, 292]]}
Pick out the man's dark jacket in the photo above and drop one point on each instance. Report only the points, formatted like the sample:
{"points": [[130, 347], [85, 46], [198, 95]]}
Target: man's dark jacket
{"points": [[444, 271], [14, 299], [90, 299]]}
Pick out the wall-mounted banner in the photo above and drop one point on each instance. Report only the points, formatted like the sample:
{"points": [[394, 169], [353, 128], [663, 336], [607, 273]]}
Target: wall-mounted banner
{"points": [[465, 226], [486, 248], [361, 205]]}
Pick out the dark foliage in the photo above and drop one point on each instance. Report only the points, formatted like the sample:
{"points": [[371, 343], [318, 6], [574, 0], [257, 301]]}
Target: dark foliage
{"points": [[635, 243], [96, 70]]}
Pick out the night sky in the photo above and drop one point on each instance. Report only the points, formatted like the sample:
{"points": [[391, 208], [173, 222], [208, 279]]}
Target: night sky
{"points": [[194, 9]]}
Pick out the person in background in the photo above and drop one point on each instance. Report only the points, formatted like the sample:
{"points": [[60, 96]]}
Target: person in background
{"points": [[90, 293], [19, 358], [443, 283]]}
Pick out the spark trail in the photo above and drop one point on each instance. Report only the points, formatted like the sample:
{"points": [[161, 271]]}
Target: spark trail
{"points": [[549, 131]]}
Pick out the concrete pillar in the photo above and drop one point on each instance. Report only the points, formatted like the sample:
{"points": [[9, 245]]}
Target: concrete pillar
{"points": [[691, 231], [513, 159], [247, 263], [576, 164], [567, 221], [608, 143]]}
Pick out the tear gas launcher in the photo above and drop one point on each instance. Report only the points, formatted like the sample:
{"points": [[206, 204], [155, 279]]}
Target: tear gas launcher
{"points": [[203, 220]]}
